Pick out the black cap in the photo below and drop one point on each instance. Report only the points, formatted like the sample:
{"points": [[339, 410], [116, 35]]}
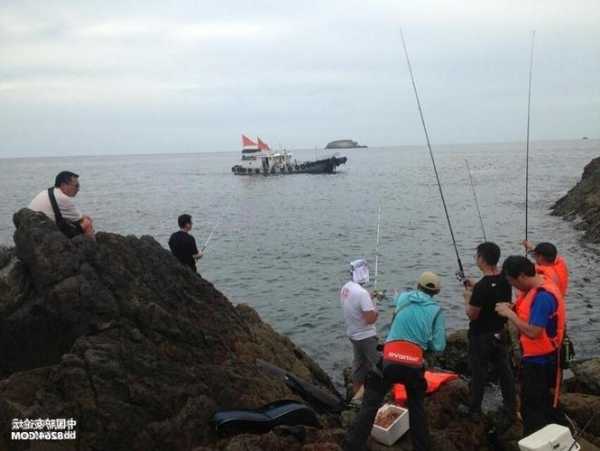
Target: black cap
{"points": [[547, 251]]}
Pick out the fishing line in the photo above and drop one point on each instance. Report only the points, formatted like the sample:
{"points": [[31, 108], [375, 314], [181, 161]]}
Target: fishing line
{"points": [[377, 247], [476, 201], [460, 274], [527, 145], [217, 223], [582, 431]]}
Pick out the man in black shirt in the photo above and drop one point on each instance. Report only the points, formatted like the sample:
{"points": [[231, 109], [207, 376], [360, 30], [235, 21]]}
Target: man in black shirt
{"points": [[183, 244], [489, 341]]}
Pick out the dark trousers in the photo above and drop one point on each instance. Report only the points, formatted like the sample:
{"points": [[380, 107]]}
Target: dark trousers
{"points": [[537, 411], [376, 387], [486, 349]]}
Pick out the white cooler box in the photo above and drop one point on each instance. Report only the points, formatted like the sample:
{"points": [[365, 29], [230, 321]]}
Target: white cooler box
{"points": [[550, 438], [397, 429]]}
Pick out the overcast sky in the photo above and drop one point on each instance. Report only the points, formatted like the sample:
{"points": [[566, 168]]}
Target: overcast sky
{"points": [[102, 77]]}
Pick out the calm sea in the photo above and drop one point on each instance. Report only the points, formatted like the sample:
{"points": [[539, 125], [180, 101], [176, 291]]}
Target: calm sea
{"points": [[284, 242]]}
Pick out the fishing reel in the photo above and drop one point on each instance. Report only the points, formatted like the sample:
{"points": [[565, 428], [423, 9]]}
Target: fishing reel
{"points": [[460, 276], [379, 295]]}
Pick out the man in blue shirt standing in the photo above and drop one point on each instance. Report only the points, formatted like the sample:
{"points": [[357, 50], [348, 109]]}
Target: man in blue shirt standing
{"points": [[539, 315], [418, 326]]}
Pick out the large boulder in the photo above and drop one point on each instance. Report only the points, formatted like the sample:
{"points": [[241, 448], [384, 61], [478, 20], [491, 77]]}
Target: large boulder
{"points": [[140, 350], [583, 202], [587, 376], [581, 408], [456, 355]]}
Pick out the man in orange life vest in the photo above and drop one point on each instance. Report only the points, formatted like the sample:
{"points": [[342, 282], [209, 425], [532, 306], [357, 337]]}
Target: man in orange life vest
{"points": [[546, 255], [540, 317]]}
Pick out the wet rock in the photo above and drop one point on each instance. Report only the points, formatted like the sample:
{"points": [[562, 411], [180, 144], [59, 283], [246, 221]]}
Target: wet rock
{"points": [[6, 255], [587, 376], [581, 408], [141, 351], [582, 202], [456, 355]]}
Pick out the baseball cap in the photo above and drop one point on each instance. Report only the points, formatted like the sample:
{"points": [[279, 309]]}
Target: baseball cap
{"points": [[429, 280]]}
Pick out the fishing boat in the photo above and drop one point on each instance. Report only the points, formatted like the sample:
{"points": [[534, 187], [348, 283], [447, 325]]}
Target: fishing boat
{"points": [[257, 159]]}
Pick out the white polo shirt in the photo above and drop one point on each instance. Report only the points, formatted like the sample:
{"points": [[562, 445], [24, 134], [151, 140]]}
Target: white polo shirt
{"points": [[356, 300], [67, 207]]}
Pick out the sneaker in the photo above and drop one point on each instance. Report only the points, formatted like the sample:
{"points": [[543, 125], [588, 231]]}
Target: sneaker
{"points": [[357, 398]]}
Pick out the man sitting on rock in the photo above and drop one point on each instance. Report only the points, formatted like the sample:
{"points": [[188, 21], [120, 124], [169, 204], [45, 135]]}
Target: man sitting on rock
{"points": [[360, 314], [183, 244], [418, 326], [58, 205]]}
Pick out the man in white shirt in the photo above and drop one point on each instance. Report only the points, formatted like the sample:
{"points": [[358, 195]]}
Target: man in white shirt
{"points": [[66, 186], [360, 315]]}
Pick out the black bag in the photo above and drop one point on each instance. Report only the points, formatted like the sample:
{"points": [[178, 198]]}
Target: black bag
{"points": [[69, 228]]}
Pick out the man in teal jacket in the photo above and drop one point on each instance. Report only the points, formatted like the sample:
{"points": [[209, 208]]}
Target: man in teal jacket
{"points": [[418, 326]]}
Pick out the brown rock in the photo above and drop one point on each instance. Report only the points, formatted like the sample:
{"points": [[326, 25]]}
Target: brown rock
{"points": [[583, 202], [587, 376], [137, 348]]}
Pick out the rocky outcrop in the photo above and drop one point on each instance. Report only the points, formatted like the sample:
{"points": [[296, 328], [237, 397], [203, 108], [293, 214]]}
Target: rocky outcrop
{"points": [[140, 350], [587, 376], [456, 355], [582, 202]]}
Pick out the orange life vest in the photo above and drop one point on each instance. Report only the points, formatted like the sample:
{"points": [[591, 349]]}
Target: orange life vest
{"points": [[558, 272], [560, 267], [543, 344], [434, 379]]}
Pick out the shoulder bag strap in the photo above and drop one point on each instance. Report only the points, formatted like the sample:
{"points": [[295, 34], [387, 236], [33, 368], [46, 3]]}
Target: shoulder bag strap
{"points": [[57, 214]]}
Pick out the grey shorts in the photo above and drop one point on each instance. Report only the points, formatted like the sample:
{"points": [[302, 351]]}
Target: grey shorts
{"points": [[365, 357]]}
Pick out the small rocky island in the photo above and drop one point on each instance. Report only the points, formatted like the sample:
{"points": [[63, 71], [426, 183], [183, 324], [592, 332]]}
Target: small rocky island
{"points": [[141, 352]]}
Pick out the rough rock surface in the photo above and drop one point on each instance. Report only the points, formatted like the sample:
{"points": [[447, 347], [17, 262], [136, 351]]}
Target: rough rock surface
{"points": [[136, 347], [583, 202], [587, 376], [455, 356], [581, 408], [141, 352]]}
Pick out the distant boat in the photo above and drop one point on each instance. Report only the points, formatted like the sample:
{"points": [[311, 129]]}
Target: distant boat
{"points": [[584, 138], [257, 159], [344, 144]]}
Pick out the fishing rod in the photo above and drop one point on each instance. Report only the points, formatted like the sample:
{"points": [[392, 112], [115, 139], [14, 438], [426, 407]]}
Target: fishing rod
{"points": [[460, 274], [527, 145], [377, 248], [205, 245], [476, 201], [582, 431]]}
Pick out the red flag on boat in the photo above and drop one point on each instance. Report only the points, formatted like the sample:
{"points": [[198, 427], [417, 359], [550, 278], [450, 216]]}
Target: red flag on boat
{"points": [[247, 143], [261, 145]]}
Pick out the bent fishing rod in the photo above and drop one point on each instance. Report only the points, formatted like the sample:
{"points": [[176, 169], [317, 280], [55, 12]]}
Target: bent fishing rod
{"points": [[460, 274], [527, 144], [476, 201]]}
